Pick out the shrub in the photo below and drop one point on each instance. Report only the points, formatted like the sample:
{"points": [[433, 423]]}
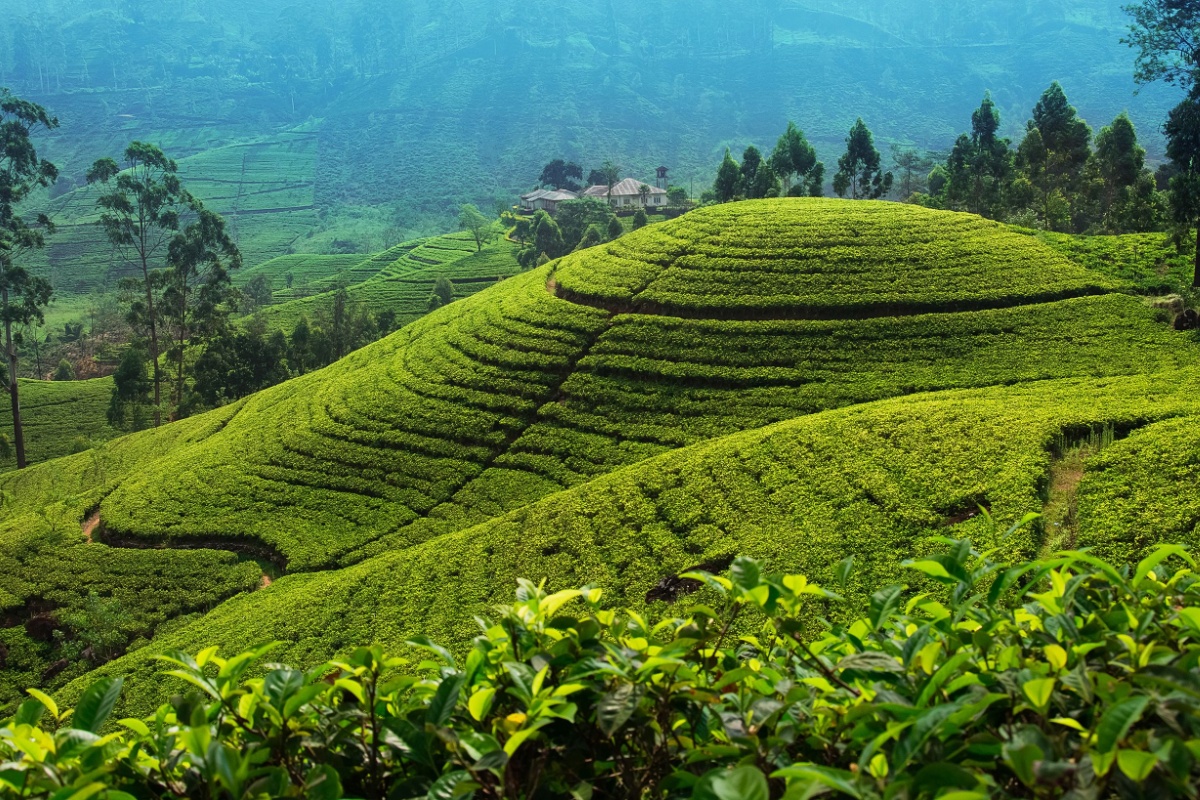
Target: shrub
{"points": [[64, 372], [1062, 677]]}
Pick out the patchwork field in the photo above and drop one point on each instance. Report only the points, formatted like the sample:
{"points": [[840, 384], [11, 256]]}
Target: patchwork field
{"points": [[399, 280], [797, 380]]}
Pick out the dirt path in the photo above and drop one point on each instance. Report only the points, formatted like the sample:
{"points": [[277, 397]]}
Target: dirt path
{"points": [[1060, 514], [89, 526], [266, 580]]}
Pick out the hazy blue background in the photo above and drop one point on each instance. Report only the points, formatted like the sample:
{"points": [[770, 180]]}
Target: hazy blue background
{"points": [[365, 121]]}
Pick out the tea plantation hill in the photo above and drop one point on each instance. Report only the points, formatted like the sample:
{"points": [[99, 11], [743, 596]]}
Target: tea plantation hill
{"points": [[408, 475], [61, 418], [399, 280]]}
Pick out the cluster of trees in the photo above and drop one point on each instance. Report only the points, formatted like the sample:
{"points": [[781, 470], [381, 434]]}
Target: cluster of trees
{"points": [[185, 354], [577, 224], [1054, 178], [792, 170], [1059, 177], [238, 361]]}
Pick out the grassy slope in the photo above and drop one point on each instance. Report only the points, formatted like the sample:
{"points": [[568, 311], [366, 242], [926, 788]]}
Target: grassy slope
{"points": [[400, 279], [877, 481], [510, 396], [822, 259], [515, 394], [59, 417]]}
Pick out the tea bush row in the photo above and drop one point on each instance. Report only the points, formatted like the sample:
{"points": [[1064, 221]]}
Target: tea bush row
{"points": [[59, 417], [666, 382], [876, 481], [370, 443]]}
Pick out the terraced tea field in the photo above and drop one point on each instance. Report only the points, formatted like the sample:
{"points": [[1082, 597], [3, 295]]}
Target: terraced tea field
{"points": [[400, 279], [60, 417], [796, 380]]}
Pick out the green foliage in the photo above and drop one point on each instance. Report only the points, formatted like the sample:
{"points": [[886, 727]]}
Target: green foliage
{"points": [[23, 296], [559, 174], [615, 229], [860, 173], [725, 187], [443, 293], [868, 259], [794, 159], [980, 166], [1021, 680], [640, 219], [56, 413], [471, 220], [131, 405], [64, 371]]}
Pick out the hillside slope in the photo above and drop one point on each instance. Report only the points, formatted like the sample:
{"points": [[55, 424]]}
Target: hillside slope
{"points": [[517, 392], [915, 364]]}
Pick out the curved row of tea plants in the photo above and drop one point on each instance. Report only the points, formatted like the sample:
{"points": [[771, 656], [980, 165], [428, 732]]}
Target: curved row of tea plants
{"points": [[92, 602], [329, 461], [1022, 680], [878, 481], [819, 258], [652, 383], [400, 280]]}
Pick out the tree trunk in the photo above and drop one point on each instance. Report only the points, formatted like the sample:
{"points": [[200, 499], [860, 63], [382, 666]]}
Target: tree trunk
{"points": [[153, 322], [182, 355], [1196, 273], [13, 391]]}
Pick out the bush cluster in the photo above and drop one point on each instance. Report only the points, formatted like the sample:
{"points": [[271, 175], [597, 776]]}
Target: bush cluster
{"points": [[1053, 678]]}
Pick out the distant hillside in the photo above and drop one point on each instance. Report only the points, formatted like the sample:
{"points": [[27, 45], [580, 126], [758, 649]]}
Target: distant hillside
{"points": [[365, 122]]}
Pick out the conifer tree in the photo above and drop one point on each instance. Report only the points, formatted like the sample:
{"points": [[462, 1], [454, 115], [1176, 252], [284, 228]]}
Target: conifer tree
{"points": [[859, 171], [725, 187]]}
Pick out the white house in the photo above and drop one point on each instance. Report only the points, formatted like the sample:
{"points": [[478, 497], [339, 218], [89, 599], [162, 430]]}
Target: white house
{"points": [[629, 193]]}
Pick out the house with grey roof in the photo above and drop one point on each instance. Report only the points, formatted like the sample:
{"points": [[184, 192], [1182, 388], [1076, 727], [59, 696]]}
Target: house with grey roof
{"points": [[629, 193], [546, 199]]}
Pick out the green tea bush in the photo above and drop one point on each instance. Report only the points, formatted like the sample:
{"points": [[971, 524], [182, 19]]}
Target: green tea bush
{"points": [[809, 258], [57, 413], [1065, 677]]}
